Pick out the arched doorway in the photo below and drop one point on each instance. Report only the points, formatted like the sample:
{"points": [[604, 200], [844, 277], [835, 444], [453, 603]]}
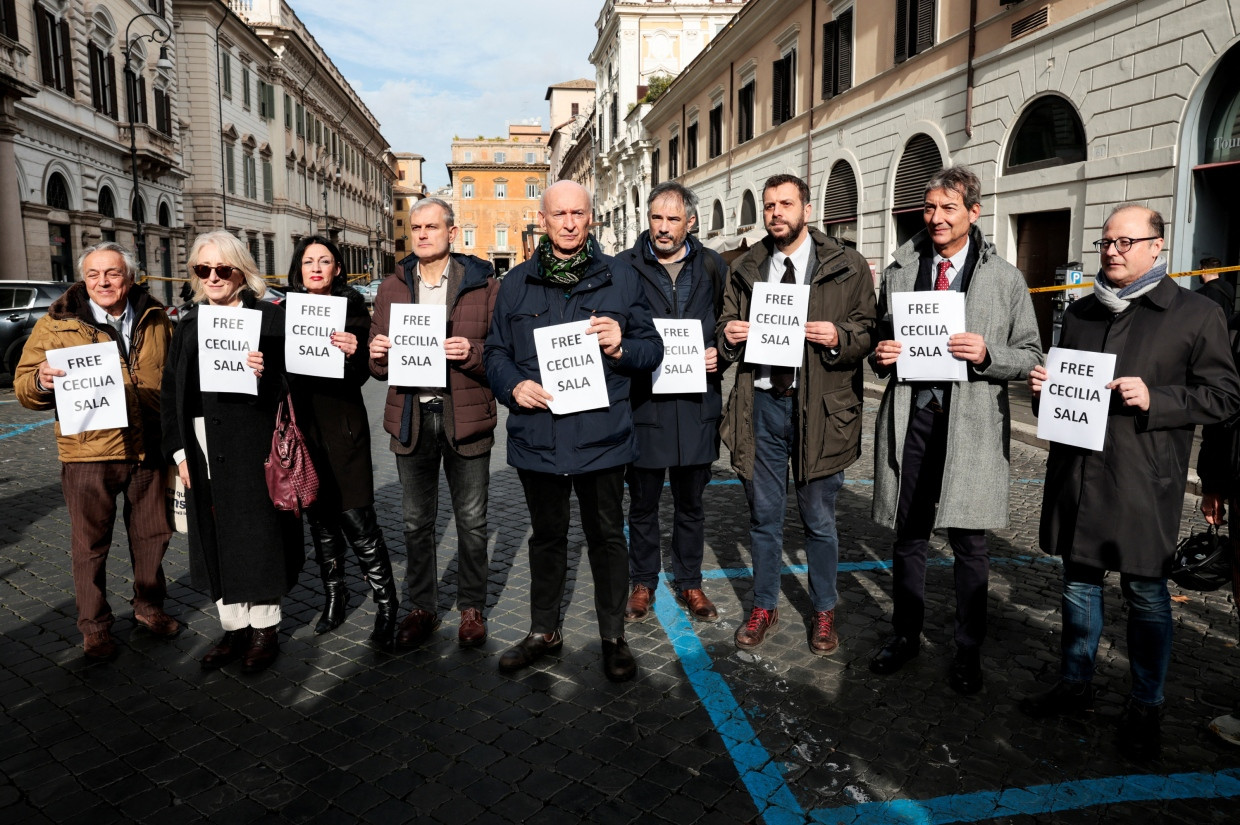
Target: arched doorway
{"points": [[921, 159], [1210, 175], [749, 212], [1049, 133]]}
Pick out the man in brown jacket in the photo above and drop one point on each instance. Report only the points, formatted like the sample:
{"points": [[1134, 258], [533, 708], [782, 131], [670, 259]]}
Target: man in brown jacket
{"points": [[98, 465], [452, 424], [810, 414]]}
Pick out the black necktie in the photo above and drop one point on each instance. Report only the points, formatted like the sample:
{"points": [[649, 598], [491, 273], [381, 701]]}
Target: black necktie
{"points": [[781, 377]]}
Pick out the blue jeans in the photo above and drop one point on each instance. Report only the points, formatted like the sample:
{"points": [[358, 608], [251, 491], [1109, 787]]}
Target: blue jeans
{"points": [[1149, 629], [774, 442], [468, 483]]}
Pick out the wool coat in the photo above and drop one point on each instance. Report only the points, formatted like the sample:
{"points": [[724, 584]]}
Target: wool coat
{"points": [[332, 416], [678, 430], [1119, 508], [975, 470], [469, 417], [590, 440], [70, 323], [1218, 460], [241, 549], [828, 392]]}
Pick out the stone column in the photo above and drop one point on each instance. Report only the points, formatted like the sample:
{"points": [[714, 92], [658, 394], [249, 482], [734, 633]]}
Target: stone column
{"points": [[12, 230]]}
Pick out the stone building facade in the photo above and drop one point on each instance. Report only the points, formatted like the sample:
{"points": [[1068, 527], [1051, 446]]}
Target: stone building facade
{"points": [[279, 144], [1063, 107], [408, 190], [496, 184], [68, 100], [570, 104], [638, 40]]}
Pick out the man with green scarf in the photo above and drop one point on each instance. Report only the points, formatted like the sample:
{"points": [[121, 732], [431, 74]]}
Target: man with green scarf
{"points": [[571, 280]]}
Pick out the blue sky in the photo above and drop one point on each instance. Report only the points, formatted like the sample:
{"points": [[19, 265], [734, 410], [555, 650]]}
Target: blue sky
{"points": [[430, 70]]}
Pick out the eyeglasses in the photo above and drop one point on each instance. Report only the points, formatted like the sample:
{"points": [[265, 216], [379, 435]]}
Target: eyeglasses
{"points": [[1122, 245], [223, 270]]}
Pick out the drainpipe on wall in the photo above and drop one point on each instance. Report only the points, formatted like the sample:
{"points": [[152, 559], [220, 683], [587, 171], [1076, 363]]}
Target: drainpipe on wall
{"points": [[731, 123], [809, 133], [968, 100]]}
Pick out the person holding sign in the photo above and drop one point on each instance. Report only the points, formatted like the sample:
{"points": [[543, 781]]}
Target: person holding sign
{"points": [[677, 434], [569, 280], [941, 447], [1119, 508], [243, 551], [332, 415], [451, 422], [809, 414], [99, 465]]}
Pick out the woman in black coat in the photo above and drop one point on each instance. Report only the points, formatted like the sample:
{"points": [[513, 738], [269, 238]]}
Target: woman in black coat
{"points": [[243, 551], [332, 415]]}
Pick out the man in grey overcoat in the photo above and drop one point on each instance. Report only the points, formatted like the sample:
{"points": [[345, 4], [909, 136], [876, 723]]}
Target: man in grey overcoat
{"points": [[1119, 508], [941, 449]]}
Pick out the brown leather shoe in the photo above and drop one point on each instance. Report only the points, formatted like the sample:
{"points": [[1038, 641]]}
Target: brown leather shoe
{"points": [[753, 632], [639, 604], [227, 650], [473, 629], [100, 647], [264, 648], [159, 623], [824, 641], [416, 628], [699, 607]]}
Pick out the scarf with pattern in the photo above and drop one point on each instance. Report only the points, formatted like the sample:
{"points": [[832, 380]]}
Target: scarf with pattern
{"points": [[1117, 299], [565, 272]]}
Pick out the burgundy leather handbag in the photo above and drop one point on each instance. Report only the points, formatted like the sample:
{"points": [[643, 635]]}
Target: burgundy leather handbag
{"points": [[292, 481]]}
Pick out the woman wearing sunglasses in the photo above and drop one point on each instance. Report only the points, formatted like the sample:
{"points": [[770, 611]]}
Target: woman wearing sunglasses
{"points": [[242, 550], [332, 415]]}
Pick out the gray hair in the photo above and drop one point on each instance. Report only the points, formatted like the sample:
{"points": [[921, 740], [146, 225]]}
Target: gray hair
{"points": [[1157, 224], [542, 201], [130, 260], [449, 215], [671, 187], [958, 179]]}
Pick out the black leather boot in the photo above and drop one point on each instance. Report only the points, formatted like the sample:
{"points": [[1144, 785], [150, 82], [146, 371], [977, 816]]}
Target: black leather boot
{"points": [[363, 532], [329, 553]]}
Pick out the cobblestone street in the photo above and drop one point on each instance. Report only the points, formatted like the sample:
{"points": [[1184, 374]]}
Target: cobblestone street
{"points": [[334, 732]]}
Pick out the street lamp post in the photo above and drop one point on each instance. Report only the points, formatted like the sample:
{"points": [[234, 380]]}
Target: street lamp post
{"points": [[159, 35]]}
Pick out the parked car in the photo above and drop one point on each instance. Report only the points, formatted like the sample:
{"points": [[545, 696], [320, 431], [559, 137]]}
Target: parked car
{"points": [[369, 290], [22, 303], [275, 296]]}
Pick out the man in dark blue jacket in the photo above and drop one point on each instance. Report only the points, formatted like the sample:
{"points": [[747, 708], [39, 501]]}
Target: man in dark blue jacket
{"points": [[568, 280], [677, 434]]}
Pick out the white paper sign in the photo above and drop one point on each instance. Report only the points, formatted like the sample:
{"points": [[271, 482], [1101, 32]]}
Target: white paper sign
{"points": [[1075, 399], [309, 321], [91, 396], [777, 316], [417, 358], [572, 368], [683, 368], [922, 322], [226, 336]]}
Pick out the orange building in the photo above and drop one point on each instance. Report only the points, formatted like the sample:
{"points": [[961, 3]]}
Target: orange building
{"points": [[406, 191], [496, 184]]}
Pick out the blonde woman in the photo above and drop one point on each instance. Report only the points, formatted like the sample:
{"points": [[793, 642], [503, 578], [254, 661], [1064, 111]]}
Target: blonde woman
{"points": [[243, 551]]}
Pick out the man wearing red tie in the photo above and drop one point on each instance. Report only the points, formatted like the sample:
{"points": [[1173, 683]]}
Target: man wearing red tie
{"points": [[941, 448]]}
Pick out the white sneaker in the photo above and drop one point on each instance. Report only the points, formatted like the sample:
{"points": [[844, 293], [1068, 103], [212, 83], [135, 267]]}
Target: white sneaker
{"points": [[1228, 728]]}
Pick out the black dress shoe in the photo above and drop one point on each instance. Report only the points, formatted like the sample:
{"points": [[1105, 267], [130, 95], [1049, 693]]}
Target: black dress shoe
{"points": [[966, 675], [529, 650], [229, 649], [895, 652], [618, 661], [264, 648], [1064, 697]]}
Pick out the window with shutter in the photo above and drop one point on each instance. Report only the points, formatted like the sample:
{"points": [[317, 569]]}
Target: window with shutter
{"points": [[914, 27], [230, 169], [691, 147], [55, 62], [268, 182], [8, 20], [716, 131], [654, 167], [921, 159], [673, 157], [226, 73], [783, 90], [135, 97], [744, 112], [837, 55]]}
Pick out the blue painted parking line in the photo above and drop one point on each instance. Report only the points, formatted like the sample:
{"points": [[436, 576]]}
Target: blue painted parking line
{"points": [[874, 564], [778, 805], [25, 428]]}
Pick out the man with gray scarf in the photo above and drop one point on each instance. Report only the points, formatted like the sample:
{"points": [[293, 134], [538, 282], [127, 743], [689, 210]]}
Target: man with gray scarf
{"points": [[1119, 508]]}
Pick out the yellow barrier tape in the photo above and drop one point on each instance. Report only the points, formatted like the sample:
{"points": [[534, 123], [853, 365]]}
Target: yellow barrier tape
{"points": [[1089, 284]]}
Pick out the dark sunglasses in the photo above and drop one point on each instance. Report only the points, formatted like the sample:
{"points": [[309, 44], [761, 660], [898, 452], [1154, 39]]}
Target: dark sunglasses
{"points": [[225, 272]]}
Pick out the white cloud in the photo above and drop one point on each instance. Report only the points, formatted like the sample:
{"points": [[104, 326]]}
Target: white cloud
{"points": [[432, 70]]}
